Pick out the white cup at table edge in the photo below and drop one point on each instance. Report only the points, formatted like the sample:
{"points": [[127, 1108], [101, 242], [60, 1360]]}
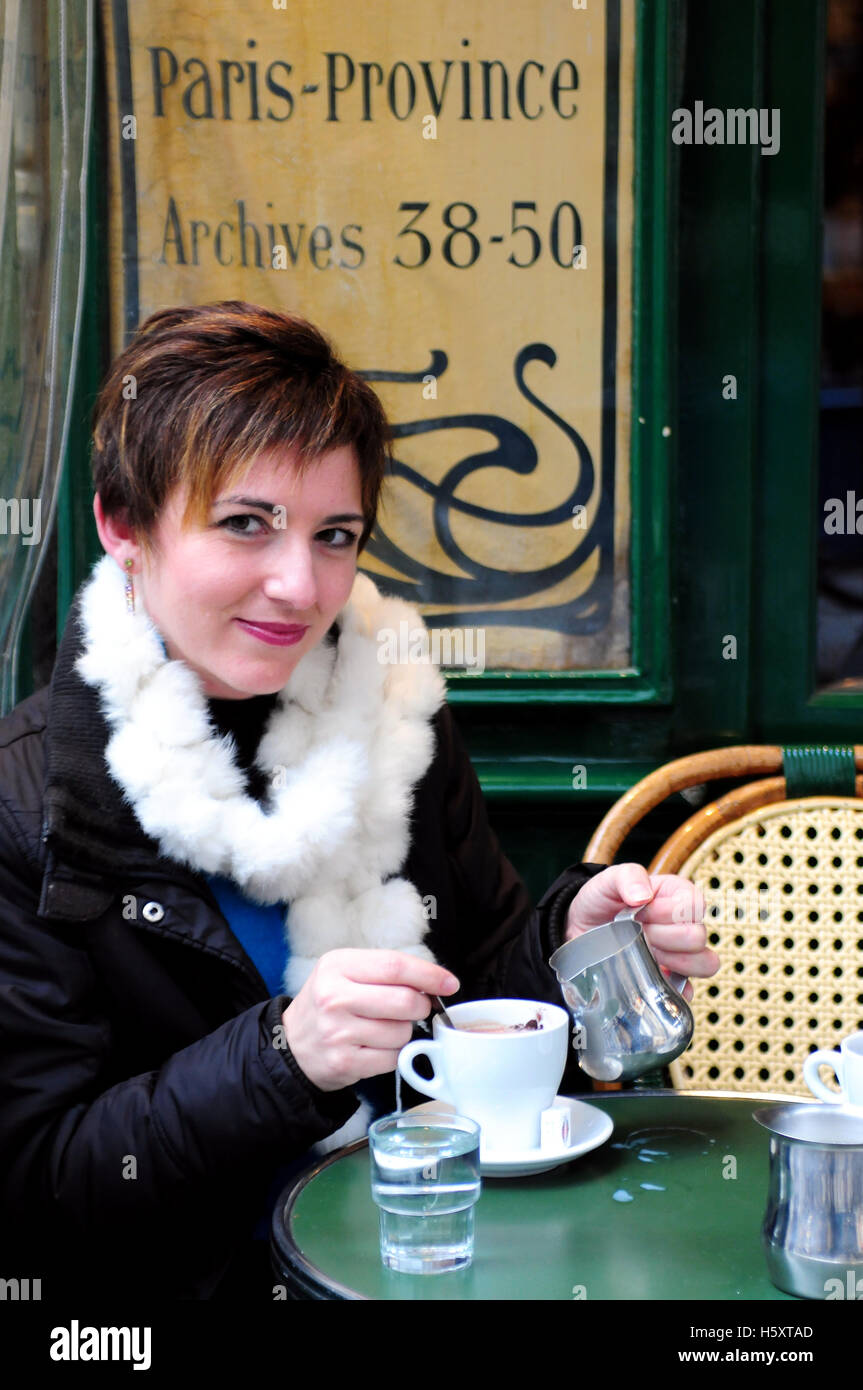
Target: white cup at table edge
{"points": [[847, 1065]]}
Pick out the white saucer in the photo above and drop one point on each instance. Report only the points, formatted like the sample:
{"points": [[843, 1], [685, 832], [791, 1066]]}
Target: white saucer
{"points": [[588, 1127]]}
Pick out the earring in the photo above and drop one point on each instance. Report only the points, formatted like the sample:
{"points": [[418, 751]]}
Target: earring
{"points": [[130, 589]]}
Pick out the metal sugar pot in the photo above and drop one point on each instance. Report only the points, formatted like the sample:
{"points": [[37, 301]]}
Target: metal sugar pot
{"points": [[628, 1016], [813, 1226]]}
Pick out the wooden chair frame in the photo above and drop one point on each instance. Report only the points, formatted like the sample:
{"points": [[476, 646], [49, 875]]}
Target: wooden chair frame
{"points": [[741, 760]]}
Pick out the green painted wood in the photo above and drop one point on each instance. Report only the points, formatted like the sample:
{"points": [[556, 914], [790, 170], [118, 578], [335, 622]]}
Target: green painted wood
{"points": [[514, 779], [697, 1237], [654, 441], [788, 522], [713, 539], [553, 688]]}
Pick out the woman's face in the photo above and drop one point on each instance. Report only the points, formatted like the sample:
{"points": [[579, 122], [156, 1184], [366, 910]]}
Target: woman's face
{"points": [[291, 570]]}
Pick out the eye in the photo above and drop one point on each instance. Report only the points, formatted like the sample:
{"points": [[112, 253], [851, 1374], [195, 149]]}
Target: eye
{"points": [[244, 530], [338, 537]]}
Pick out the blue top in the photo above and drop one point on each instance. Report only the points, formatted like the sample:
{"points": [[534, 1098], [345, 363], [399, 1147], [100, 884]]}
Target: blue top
{"points": [[259, 930]]}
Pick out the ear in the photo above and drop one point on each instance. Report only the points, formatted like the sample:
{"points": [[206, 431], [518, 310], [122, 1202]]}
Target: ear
{"points": [[117, 537]]}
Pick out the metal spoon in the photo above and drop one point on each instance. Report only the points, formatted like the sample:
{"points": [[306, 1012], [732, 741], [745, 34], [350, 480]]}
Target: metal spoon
{"points": [[445, 1018]]}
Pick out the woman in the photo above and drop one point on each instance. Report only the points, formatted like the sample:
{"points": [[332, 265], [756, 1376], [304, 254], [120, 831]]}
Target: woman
{"points": [[238, 852]]}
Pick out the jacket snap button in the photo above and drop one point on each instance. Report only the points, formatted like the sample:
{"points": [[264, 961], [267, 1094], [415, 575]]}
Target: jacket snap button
{"points": [[154, 912]]}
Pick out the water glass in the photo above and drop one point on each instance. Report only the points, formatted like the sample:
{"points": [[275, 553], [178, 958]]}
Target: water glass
{"points": [[426, 1182]]}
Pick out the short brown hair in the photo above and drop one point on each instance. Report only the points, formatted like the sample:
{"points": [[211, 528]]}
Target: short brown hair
{"points": [[212, 386]]}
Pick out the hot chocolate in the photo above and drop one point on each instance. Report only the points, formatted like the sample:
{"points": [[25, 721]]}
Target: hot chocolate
{"points": [[492, 1026]]}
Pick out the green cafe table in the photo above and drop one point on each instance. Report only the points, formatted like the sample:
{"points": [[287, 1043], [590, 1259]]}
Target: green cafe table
{"points": [[669, 1207]]}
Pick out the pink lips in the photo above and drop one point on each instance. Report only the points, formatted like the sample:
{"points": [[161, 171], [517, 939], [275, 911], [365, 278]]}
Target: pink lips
{"points": [[275, 634]]}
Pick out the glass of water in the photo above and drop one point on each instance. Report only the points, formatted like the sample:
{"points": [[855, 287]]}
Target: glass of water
{"points": [[425, 1181]]}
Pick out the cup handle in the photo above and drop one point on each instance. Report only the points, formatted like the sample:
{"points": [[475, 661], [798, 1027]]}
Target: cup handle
{"points": [[810, 1074], [433, 1087]]}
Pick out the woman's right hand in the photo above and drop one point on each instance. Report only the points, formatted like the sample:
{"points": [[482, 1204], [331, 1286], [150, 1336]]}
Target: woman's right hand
{"points": [[356, 1012]]}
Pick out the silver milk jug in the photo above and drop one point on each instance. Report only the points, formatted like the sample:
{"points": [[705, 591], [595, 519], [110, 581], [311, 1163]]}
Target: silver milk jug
{"points": [[813, 1226], [628, 1017]]}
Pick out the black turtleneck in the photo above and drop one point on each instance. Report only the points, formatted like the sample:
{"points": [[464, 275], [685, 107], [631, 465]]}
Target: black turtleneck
{"points": [[246, 721]]}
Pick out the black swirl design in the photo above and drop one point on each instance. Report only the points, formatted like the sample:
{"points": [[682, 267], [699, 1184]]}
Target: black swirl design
{"points": [[483, 586]]}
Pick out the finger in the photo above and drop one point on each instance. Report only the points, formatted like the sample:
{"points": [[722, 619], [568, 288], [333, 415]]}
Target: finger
{"points": [[371, 1061], [702, 964], [377, 1034], [675, 900], [354, 1064], [394, 968], [683, 936], [633, 885], [599, 899], [385, 1001]]}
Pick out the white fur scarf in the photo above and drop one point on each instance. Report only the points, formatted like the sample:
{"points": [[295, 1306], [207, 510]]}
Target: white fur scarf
{"points": [[345, 745]]}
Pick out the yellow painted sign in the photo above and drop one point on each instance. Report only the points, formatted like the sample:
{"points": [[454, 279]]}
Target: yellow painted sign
{"points": [[447, 192]]}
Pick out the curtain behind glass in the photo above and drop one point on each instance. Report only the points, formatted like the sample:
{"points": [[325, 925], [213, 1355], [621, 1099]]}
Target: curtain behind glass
{"points": [[45, 111]]}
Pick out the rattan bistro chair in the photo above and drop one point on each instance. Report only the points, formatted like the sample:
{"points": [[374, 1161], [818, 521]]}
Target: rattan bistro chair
{"points": [[780, 862]]}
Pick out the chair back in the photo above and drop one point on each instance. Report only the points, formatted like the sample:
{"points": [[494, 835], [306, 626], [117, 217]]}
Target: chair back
{"points": [[783, 887], [783, 892]]}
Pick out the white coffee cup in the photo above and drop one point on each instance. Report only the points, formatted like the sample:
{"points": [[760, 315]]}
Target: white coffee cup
{"points": [[847, 1063], [502, 1080]]}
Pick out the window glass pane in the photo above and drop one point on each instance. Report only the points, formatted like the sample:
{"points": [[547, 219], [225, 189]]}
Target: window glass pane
{"points": [[44, 116]]}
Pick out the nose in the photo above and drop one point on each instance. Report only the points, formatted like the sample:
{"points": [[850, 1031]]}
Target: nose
{"points": [[291, 578]]}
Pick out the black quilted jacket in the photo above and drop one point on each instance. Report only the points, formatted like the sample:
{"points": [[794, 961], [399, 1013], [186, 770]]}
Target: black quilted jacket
{"points": [[143, 1108]]}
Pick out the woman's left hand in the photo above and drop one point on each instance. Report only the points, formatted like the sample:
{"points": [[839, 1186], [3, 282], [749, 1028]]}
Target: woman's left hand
{"points": [[673, 922]]}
